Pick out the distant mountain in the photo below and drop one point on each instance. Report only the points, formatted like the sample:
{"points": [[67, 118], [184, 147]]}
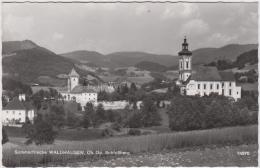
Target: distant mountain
{"points": [[132, 58], [250, 57], [9, 47], [89, 57], [151, 66], [120, 59], [228, 52], [28, 65]]}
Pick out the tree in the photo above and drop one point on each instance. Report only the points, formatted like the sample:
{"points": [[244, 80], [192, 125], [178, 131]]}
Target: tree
{"points": [[100, 113], [150, 115], [72, 119], [56, 116], [135, 120], [133, 87], [27, 126], [4, 136], [109, 115], [89, 115], [4, 101], [86, 120], [103, 95], [42, 133]]}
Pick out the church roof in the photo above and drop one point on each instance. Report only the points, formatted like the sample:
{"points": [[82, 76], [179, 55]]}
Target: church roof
{"points": [[207, 73], [82, 89], [15, 104], [73, 73]]}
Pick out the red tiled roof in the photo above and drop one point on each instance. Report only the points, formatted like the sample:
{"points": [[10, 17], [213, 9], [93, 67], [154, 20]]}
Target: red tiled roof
{"points": [[82, 89], [207, 73], [15, 104]]}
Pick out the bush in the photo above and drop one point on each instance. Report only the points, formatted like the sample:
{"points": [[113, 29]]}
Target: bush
{"points": [[116, 126], [134, 132], [191, 113], [107, 132], [135, 120], [42, 132], [4, 136]]}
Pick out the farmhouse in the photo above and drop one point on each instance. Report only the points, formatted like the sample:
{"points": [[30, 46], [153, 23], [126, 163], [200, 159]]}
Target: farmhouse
{"points": [[204, 80], [76, 92], [16, 111]]}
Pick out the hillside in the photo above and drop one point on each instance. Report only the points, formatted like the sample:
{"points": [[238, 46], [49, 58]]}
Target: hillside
{"points": [[37, 64], [89, 57], [10, 47], [150, 66], [132, 58], [228, 52], [29, 64], [120, 59], [126, 59], [250, 57]]}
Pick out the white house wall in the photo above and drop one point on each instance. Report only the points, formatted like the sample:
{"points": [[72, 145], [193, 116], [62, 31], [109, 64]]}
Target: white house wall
{"points": [[206, 87]]}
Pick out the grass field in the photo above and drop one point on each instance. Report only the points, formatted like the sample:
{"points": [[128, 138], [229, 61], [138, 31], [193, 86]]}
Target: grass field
{"points": [[63, 134], [187, 157], [133, 145]]}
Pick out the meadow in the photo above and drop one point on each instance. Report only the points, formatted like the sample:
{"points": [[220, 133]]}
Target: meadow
{"points": [[133, 145]]}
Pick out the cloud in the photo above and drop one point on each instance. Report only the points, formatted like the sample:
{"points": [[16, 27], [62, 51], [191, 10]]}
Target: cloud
{"points": [[221, 38], [141, 10], [195, 27], [17, 28], [57, 36], [183, 10]]}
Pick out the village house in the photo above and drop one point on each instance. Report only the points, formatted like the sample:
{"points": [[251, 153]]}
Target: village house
{"points": [[76, 92], [16, 111], [204, 80]]}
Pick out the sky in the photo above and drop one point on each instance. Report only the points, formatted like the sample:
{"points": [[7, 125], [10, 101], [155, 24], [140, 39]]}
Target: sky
{"points": [[111, 27]]}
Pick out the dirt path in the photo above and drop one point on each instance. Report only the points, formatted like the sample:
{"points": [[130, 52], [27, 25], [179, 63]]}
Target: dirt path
{"points": [[223, 156]]}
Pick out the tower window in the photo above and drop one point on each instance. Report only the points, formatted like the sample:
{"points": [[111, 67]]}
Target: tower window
{"points": [[187, 65], [181, 64]]}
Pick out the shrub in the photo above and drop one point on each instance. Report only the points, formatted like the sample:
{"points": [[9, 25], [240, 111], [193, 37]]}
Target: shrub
{"points": [[134, 132], [4, 136], [191, 113], [107, 132], [42, 132], [135, 120], [116, 126]]}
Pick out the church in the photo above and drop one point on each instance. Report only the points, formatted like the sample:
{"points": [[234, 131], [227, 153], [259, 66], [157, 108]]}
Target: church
{"points": [[204, 80], [76, 92]]}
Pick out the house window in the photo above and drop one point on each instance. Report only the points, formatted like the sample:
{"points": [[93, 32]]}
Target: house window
{"points": [[211, 86], [237, 93], [205, 86], [198, 86], [187, 65], [230, 84], [230, 92], [217, 86], [222, 84], [181, 64], [19, 113], [13, 112]]}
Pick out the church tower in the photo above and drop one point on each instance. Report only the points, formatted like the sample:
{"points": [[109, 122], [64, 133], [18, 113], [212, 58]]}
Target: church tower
{"points": [[185, 58], [73, 79]]}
